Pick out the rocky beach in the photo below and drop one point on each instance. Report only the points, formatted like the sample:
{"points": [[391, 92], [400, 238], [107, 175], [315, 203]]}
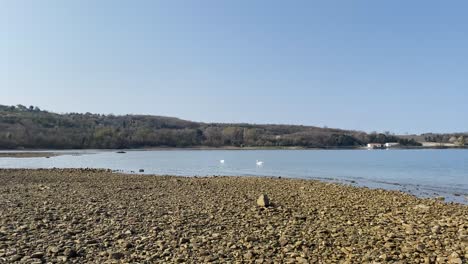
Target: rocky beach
{"points": [[98, 216]]}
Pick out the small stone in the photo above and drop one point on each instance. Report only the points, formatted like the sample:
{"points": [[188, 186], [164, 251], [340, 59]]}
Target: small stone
{"points": [[248, 255], [16, 258], [283, 241], [441, 259], [263, 201], [454, 258], [52, 249], [62, 259], [384, 257], [435, 229], [455, 261], [70, 253], [301, 260], [407, 249], [422, 207], [117, 255], [409, 230], [420, 247], [297, 244], [92, 242], [427, 260], [184, 240], [389, 245], [37, 255], [250, 239]]}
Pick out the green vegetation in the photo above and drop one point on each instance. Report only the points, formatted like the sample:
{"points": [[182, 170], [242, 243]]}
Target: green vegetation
{"points": [[30, 127]]}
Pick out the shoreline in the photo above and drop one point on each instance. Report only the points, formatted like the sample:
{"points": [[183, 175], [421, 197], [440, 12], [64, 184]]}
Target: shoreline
{"points": [[95, 215], [2, 151], [421, 190], [28, 154]]}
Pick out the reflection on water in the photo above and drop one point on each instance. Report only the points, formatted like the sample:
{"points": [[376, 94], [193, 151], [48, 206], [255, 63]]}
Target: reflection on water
{"points": [[421, 172]]}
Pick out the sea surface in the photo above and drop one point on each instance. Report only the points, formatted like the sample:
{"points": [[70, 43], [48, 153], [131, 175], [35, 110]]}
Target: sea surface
{"points": [[424, 173]]}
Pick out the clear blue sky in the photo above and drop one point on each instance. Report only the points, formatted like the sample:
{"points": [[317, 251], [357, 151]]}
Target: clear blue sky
{"points": [[370, 65]]}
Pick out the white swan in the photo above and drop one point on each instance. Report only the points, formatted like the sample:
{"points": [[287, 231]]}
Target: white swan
{"points": [[221, 161], [259, 163]]}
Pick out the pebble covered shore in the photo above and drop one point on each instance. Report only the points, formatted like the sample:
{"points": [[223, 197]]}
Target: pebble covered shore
{"points": [[96, 216]]}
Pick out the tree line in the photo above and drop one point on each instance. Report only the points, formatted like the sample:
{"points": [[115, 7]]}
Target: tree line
{"points": [[454, 138], [33, 128]]}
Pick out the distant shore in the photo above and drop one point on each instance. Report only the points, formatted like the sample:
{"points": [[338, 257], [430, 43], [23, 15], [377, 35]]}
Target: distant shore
{"points": [[38, 152], [89, 215], [20, 154]]}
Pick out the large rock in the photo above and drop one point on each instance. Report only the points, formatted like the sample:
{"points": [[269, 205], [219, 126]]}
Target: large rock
{"points": [[454, 258], [263, 201]]}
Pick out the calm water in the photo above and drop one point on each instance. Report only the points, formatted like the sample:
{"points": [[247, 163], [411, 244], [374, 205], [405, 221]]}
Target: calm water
{"points": [[421, 172]]}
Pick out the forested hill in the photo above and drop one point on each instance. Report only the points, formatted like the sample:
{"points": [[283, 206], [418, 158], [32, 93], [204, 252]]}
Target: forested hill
{"points": [[30, 128]]}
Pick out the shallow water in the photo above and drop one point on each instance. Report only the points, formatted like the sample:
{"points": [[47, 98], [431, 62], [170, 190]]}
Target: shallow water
{"points": [[425, 173]]}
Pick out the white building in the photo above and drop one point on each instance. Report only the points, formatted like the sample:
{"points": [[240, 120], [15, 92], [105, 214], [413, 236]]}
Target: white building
{"points": [[391, 144], [374, 145]]}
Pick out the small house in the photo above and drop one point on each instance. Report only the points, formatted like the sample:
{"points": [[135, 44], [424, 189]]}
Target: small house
{"points": [[374, 145]]}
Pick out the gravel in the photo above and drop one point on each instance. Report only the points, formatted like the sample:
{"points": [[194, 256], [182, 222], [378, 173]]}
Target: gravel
{"points": [[96, 216]]}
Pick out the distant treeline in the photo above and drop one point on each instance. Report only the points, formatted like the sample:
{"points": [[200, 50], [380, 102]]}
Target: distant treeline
{"points": [[455, 138], [33, 128]]}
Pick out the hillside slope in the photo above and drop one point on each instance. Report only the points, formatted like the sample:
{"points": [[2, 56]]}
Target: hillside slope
{"points": [[30, 127]]}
